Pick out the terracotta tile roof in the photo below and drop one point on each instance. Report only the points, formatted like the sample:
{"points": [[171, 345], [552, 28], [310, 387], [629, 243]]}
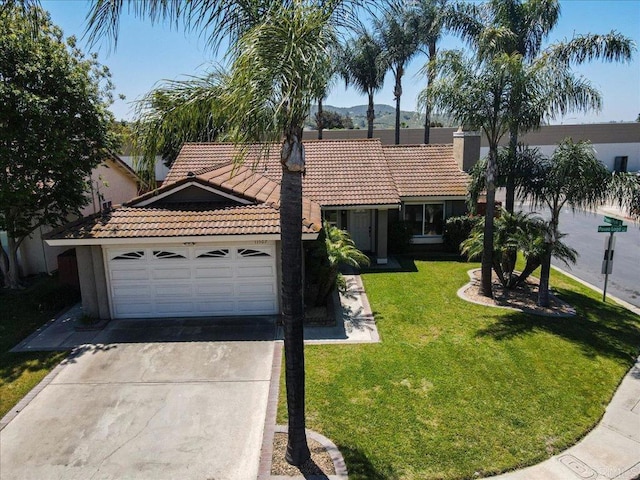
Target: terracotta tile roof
{"points": [[183, 220], [338, 172], [425, 170]]}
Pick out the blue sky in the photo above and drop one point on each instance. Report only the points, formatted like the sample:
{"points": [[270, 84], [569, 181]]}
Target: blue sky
{"points": [[146, 55]]}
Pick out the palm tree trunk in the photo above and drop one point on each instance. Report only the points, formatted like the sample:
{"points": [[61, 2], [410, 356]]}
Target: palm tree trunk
{"points": [[487, 246], [292, 301], [320, 120], [529, 268], [509, 203], [371, 115], [431, 75], [543, 289], [397, 92]]}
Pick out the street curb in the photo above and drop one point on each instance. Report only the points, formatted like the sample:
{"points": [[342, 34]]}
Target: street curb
{"points": [[619, 301]]}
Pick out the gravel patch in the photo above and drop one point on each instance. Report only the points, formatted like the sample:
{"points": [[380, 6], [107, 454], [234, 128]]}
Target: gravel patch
{"points": [[320, 462]]}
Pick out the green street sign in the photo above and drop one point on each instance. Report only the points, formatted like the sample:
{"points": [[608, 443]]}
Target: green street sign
{"points": [[612, 221], [612, 228]]}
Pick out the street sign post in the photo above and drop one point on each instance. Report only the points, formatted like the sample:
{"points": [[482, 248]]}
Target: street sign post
{"points": [[615, 225]]}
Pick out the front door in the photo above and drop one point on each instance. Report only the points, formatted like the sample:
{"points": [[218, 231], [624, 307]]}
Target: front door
{"points": [[360, 229]]}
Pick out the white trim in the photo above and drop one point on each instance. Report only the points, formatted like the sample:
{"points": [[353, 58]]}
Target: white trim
{"points": [[428, 199], [168, 240], [170, 192], [384, 206]]}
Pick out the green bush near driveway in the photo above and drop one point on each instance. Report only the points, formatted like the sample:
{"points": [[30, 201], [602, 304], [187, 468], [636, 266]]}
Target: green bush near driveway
{"points": [[21, 313], [458, 390]]}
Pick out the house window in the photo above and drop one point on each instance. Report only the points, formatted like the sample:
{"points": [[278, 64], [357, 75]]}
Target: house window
{"points": [[162, 254], [106, 206], [620, 164], [426, 219], [129, 256], [219, 253], [331, 217]]}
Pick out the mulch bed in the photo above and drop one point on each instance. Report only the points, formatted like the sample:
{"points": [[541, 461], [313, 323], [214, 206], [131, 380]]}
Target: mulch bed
{"points": [[523, 298], [320, 462]]}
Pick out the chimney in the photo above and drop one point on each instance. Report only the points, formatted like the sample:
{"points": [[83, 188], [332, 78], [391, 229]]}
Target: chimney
{"points": [[466, 148]]}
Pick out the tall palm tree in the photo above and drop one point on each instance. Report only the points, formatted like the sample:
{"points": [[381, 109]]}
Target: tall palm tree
{"points": [[436, 17], [280, 56], [397, 31], [520, 27], [572, 176], [362, 65], [476, 94]]}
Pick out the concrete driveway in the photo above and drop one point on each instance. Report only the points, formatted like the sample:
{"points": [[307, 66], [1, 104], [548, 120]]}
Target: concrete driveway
{"points": [[171, 410]]}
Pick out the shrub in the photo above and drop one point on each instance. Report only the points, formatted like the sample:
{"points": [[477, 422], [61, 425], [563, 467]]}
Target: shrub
{"points": [[399, 237], [457, 230]]}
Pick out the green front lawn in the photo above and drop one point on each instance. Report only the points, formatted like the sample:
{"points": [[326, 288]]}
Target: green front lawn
{"points": [[456, 390], [20, 314]]}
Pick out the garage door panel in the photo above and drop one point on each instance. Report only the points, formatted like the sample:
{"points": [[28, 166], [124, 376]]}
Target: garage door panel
{"points": [[173, 290], [171, 273], [220, 307], [175, 309], [129, 273], [256, 306], [214, 271], [221, 288], [256, 289], [131, 291], [132, 309], [247, 271]]}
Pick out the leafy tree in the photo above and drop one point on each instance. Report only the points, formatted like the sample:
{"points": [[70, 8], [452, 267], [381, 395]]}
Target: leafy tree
{"points": [[362, 65], [54, 127], [572, 176], [279, 59], [333, 120], [397, 32]]}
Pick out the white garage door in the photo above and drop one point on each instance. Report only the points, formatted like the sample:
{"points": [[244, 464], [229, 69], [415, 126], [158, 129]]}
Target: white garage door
{"points": [[192, 281]]}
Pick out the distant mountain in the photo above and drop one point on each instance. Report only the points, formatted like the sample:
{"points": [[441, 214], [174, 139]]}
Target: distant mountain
{"points": [[385, 116]]}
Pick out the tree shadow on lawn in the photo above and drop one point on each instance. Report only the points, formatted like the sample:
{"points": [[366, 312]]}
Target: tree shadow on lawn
{"points": [[598, 328], [14, 365], [361, 468]]}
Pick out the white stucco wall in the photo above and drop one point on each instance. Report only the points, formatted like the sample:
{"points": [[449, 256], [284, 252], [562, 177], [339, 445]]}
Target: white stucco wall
{"points": [[605, 152], [161, 168]]}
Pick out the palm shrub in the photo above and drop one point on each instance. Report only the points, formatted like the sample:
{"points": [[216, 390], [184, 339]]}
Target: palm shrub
{"points": [[333, 248], [517, 232]]}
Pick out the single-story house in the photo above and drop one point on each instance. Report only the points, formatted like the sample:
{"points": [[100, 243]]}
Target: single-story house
{"points": [[112, 183], [207, 242]]}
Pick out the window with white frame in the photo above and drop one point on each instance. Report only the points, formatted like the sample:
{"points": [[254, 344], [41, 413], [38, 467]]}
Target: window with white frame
{"points": [[331, 217], [425, 219]]}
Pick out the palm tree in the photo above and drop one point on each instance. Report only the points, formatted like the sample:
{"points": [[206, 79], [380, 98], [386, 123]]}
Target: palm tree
{"points": [[172, 114], [435, 18], [279, 55], [572, 176], [362, 65], [520, 27], [476, 94], [335, 248], [397, 32]]}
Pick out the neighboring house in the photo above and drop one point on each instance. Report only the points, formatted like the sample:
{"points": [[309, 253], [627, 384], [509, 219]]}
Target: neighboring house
{"points": [[112, 183], [617, 145], [208, 241]]}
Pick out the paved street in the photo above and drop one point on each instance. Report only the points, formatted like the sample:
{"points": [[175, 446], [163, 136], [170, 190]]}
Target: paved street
{"points": [[582, 234]]}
